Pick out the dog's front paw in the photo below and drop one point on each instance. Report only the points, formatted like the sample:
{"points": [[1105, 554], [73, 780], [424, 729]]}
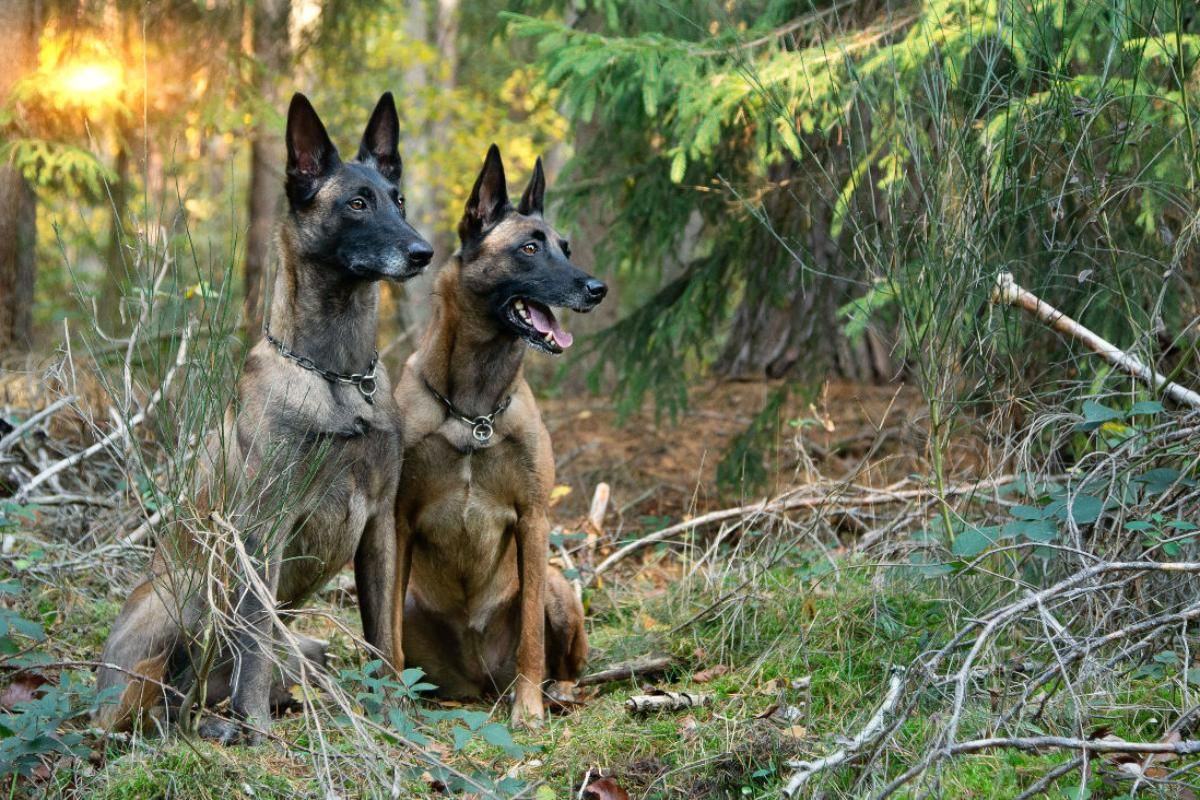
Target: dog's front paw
{"points": [[221, 731], [228, 732], [528, 715]]}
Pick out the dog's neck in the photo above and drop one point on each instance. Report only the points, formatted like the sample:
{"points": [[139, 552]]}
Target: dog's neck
{"points": [[318, 312], [464, 355]]}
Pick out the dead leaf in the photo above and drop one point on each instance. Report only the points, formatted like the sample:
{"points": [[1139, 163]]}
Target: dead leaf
{"points": [[713, 672], [787, 713], [23, 688], [795, 731], [649, 623], [558, 493], [605, 789], [768, 712], [688, 727]]}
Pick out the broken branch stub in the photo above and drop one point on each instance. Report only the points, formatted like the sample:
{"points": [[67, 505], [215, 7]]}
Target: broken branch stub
{"points": [[666, 701]]}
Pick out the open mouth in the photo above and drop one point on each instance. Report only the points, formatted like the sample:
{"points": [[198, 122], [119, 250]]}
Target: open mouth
{"points": [[538, 325]]}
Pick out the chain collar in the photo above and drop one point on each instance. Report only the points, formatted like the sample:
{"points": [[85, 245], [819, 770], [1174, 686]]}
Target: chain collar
{"points": [[364, 382], [482, 427]]}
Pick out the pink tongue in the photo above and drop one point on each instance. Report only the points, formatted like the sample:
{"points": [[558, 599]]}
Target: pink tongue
{"points": [[544, 322]]}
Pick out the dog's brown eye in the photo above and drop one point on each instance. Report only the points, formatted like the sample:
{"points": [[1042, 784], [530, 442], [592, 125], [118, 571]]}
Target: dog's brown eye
{"points": [[358, 204], [400, 202], [529, 249]]}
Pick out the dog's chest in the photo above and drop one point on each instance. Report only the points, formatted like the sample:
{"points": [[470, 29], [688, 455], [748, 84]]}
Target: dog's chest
{"points": [[351, 476], [467, 508]]}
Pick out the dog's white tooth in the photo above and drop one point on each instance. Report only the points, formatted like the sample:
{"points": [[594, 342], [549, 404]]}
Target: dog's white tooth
{"points": [[520, 304]]}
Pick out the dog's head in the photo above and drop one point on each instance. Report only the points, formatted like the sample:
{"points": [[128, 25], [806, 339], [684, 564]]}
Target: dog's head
{"points": [[350, 215], [516, 264]]}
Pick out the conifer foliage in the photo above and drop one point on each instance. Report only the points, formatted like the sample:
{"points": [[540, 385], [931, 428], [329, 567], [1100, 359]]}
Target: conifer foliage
{"points": [[835, 184]]}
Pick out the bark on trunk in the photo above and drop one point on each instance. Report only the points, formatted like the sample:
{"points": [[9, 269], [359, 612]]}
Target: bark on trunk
{"points": [[18, 212], [272, 53], [18, 223], [425, 19]]}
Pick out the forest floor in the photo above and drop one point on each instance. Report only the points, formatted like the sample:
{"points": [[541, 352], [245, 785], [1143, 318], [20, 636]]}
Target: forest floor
{"points": [[787, 627]]}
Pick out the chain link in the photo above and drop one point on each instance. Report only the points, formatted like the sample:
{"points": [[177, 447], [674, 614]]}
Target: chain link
{"points": [[364, 382], [483, 426]]}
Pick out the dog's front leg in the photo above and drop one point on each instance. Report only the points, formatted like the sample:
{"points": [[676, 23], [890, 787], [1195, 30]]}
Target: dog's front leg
{"points": [[374, 577], [533, 532], [403, 560], [253, 636]]}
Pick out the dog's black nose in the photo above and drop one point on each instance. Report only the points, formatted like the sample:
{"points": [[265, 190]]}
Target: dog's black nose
{"points": [[595, 289], [419, 255]]}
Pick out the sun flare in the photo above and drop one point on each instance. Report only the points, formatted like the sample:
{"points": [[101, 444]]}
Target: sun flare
{"points": [[90, 83]]}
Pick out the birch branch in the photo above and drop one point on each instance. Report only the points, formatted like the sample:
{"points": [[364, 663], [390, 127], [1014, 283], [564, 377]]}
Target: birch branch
{"points": [[806, 769], [1007, 291], [666, 701]]}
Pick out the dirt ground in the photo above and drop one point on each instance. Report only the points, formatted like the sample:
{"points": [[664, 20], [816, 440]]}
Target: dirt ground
{"points": [[662, 468]]}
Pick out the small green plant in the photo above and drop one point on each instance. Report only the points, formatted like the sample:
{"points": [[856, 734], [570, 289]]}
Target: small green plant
{"points": [[1165, 535], [37, 708]]}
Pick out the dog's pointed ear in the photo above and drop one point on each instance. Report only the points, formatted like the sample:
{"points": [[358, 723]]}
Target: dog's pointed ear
{"points": [[534, 199], [489, 199], [381, 142], [311, 154]]}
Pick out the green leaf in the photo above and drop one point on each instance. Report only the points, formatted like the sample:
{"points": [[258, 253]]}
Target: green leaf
{"points": [[1146, 408], [973, 541], [1096, 414], [1158, 480], [1039, 530], [1084, 508], [1028, 512], [462, 736]]}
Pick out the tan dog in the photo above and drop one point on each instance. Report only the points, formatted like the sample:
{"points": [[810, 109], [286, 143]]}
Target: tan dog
{"points": [[475, 605], [306, 465]]}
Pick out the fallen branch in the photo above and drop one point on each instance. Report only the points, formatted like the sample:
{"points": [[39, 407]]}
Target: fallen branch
{"points": [[1106, 745], [1007, 291], [806, 769], [666, 701], [823, 496], [16, 433], [120, 435], [647, 665]]}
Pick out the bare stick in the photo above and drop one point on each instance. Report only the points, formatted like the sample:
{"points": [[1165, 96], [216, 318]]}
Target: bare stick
{"points": [[647, 665], [874, 726], [25, 426], [1105, 745], [599, 506], [666, 701], [1007, 291], [120, 435]]}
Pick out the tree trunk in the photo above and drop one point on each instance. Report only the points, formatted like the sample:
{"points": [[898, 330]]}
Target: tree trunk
{"points": [[18, 213], [787, 324], [272, 53]]}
